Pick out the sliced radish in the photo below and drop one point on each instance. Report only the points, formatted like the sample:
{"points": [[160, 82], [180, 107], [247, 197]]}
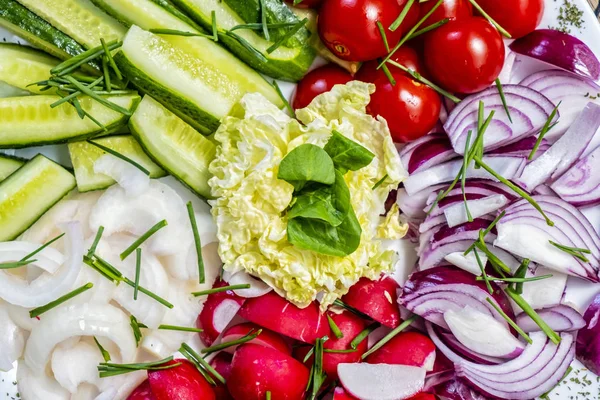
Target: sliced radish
{"points": [[381, 381], [181, 382], [406, 348], [377, 299], [340, 394], [257, 370], [222, 364], [273, 312], [266, 338], [142, 392], [219, 309]]}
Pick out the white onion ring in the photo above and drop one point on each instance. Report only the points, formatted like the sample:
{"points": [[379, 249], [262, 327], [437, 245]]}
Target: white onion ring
{"points": [[48, 259], [128, 176], [12, 340]]}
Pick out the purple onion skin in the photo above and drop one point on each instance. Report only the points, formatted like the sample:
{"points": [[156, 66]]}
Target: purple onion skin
{"points": [[448, 200], [476, 225], [428, 150], [561, 50], [587, 347], [456, 389]]}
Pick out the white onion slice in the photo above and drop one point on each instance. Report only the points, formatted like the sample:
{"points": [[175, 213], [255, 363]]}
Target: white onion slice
{"points": [[37, 385], [546, 292], [47, 287], [128, 176], [257, 286], [468, 263], [184, 265], [456, 214], [48, 259], [124, 385], [85, 319], [381, 381], [75, 365], [12, 340]]}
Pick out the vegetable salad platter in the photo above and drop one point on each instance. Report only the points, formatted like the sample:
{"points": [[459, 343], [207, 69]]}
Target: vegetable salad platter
{"points": [[304, 199]]}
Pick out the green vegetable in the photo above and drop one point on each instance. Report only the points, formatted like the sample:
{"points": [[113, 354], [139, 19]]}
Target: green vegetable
{"points": [[22, 65], [8, 165], [347, 155], [36, 312], [307, 163]]}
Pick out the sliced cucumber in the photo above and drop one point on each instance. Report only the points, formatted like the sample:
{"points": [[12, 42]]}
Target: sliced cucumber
{"points": [[8, 165], [25, 24], [173, 144], [84, 155], [7, 90], [21, 65], [29, 192], [79, 19], [196, 79], [290, 61], [29, 121]]}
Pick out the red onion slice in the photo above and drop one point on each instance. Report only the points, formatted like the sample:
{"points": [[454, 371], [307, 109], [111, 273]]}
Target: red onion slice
{"points": [[456, 214], [561, 318], [426, 152], [412, 206], [588, 338], [580, 185], [461, 349], [523, 148], [456, 389]]}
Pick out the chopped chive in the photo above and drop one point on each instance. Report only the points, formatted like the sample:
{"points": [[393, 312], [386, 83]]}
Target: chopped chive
{"points": [[503, 98], [16, 264], [138, 270], [518, 280], [106, 73], [198, 366], [487, 230], [268, 395], [299, 25], [102, 270], [221, 289], [429, 28], [110, 60], [379, 182], [334, 328], [389, 336], [82, 114], [339, 351], [396, 24], [197, 243], [463, 177], [363, 335], [425, 81], [263, 19], [75, 62], [178, 328], [119, 156], [105, 354], [174, 32], [158, 226], [75, 94], [318, 376], [244, 339], [148, 293], [41, 248], [544, 130], [490, 19], [84, 89], [135, 326], [285, 101], [258, 27], [439, 197], [215, 30], [383, 35], [483, 273], [499, 265], [554, 337], [36, 312], [244, 43], [106, 265], [573, 251], [205, 365], [520, 274], [109, 369], [510, 321], [353, 310], [309, 354], [388, 74]]}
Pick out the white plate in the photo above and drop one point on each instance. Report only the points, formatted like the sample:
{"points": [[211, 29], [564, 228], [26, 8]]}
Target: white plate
{"points": [[579, 292]]}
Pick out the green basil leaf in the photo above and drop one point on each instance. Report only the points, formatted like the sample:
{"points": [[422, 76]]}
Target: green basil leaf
{"points": [[307, 163], [347, 155], [321, 237]]}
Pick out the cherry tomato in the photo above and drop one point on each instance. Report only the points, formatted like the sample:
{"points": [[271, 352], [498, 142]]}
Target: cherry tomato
{"points": [[349, 27], [452, 9], [518, 17], [411, 108], [318, 81], [464, 56], [405, 55], [306, 3]]}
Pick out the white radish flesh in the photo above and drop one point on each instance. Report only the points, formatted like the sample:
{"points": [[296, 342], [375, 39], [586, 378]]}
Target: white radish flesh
{"points": [[381, 381]]}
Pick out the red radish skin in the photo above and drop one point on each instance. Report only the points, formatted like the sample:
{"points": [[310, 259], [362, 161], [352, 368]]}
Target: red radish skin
{"points": [[340, 394], [142, 392], [266, 338], [222, 364], [423, 396], [406, 348], [183, 382], [377, 299], [273, 312], [219, 309], [257, 370]]}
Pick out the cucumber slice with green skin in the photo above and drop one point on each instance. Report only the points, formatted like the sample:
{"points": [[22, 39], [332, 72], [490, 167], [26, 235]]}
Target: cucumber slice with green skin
{"points": [[30, 121], [174, 145], [195, 78], [287, 63], [84, 156], [25, 24], [79, 19], [144, 13], [8, 165], [21, 65], [29, 192]]}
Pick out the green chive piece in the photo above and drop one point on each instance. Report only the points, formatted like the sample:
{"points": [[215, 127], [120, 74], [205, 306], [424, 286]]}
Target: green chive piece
{"points": [[105, 354], [75, 62], [383, 35], [483, 273], [36, 312], [244, 43], [353, 310], [334, 328], [429, 28], [197, 243], [244, 339], [342, 351], [309, 354], [75, 93], [554, 337], [487, 230], [258, 27], [396, 24], [106, 73], [503, 98], [16, 264], [363, 335], [149, 293], [318, 376], [205, 365], [41, 248], [285, 101], [573, 251], [135, 326], [174, 32], [544, 130], [490, 19], [215, 30], [263, 20], [198, 366], [221, 289], [86, 90], [111, 60], [268, 395], [288, 35], [388, 74], [158, 226], [119, 156], [510, 321], [379, 182], [179, 328], [519, 280], [390, 336], [520, 273], [138, 270], [463, 177], [440, 196], [501, 267], [109, 369], [102, 270], [425, 81]]}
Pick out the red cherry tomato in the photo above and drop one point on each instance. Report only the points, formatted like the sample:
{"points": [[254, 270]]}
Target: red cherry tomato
{"points": [[349, 27], [518, 17], [306, 3], [464, 56], [410, 108], [452, 9], [405, 55], [318, 81]]}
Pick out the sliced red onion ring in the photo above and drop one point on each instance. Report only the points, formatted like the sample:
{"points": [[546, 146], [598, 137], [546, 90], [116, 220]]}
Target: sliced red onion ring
{"points": [[565, 152], [560, 50], [580, 185], [468, 263], [529, 110], [507, 166], [442, 235], [469, 354], [561, 318], [456, 214], [456, 389], [426, 152], [412, 206], [523, 148], [588, 338]]}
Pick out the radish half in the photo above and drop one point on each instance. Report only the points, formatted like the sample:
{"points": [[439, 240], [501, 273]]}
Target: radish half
{"points": [[381, 381]]}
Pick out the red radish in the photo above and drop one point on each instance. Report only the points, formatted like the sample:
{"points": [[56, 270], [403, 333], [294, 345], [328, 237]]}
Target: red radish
{"points": [[142, 392], [377, 299], [406, 348], [257, 370], [219, 309], [423, 396], [183, 382], [340, 394], [222, 364], [273, 312], [381, 381], [266, 338]]}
